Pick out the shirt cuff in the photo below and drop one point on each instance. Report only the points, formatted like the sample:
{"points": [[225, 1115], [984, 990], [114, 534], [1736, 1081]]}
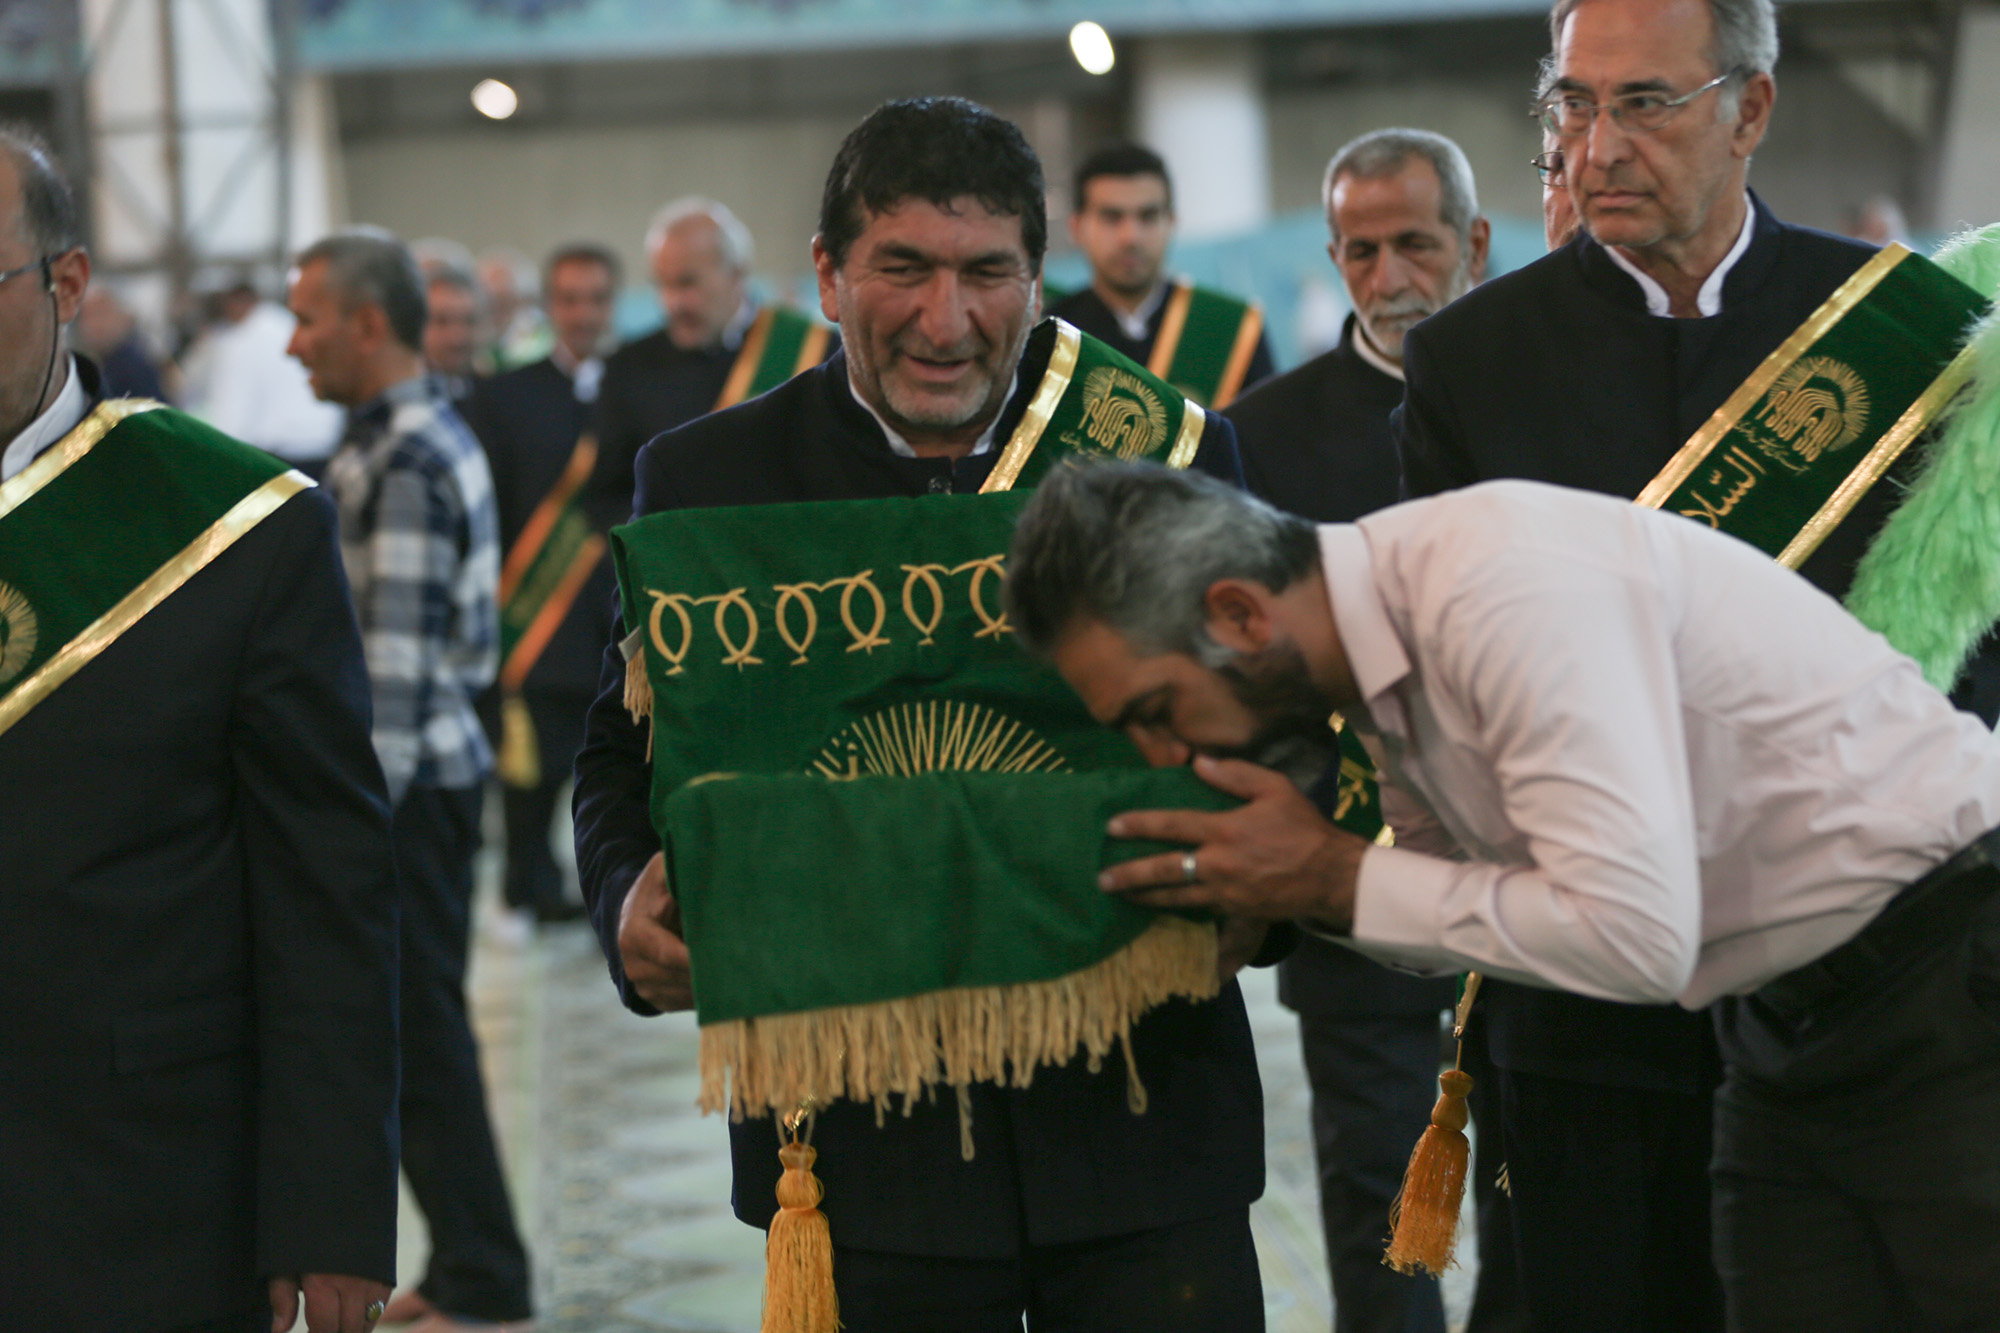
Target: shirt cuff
{"points": [[1399, 898]]}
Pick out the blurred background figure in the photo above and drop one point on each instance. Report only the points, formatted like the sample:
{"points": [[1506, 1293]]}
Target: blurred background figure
{"points": [[452, 331], [107, 333], [239, 379], [518, 331], [1879, 222]]}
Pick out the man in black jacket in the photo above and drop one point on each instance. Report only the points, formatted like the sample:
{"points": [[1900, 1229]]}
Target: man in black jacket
{"points": [[1590, 368], [1074, 1209], [198, 1066], [1407, 237], [531, 422]]}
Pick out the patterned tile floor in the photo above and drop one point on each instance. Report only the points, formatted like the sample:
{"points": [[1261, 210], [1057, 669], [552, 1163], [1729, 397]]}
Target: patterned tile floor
{"points": [[623, 1189]]}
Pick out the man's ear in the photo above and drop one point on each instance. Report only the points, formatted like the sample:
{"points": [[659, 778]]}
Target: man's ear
{"points": [[1239, 614], [823, 269], [1753, 114]]}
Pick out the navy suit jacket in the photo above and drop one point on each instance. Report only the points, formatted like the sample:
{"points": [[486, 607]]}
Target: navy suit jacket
{"points": [[198, 1061], [1063, 1160], [1556, 372]]}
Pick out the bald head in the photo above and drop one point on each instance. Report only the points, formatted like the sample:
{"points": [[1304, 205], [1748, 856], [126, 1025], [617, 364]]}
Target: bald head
{"points": [[700, 258]]}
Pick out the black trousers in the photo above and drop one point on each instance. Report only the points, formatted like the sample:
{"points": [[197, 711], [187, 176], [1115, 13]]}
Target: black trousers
{"points": [[1575, 1150], [1193, 1277], [533, 879], [1374, 1079], [1857, 1155], [1498, 1304], [478, 1267]]}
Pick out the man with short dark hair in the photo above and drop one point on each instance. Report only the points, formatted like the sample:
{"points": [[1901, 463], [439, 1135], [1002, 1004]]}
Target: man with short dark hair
{"points": [[198, 1077], [1209, 345], [1592, 367], [1073, 1210], [422, 555], [555, 586], [452, 331], [1407, 238]]}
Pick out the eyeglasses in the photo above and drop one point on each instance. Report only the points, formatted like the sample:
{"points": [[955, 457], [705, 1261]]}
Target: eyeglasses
{"points": [[1572, 114], [12, 273], [1547, 165]]}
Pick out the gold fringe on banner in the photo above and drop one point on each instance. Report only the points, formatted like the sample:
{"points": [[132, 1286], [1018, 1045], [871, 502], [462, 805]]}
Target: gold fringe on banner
{"points": [[904, 1048]]}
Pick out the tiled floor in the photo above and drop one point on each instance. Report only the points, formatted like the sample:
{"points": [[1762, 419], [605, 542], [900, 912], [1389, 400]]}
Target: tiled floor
{"points": [[623, 1189]]}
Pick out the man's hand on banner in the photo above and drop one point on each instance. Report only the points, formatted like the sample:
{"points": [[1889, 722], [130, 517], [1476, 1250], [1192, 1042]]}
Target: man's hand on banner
{"points": [[650, 944], [1274, 858]]}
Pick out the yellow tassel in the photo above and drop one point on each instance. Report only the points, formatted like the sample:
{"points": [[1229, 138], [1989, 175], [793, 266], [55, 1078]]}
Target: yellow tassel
{"points": [[520, 759], [1425, 1212], [639, 695], [798, 1255]]}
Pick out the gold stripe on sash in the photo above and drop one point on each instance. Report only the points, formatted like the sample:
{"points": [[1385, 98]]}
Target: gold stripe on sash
{"points": [[1171, 326], [1041, 409], [747, 359], [244, 515], [59, 457], [813, 350], [1193, 419], [1879, 459], [1845, 297], [582, 462], [1240, 353]]}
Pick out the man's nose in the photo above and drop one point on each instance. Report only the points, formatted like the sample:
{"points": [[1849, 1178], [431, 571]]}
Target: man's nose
{"points": [[1603, 144], [942, 314]]}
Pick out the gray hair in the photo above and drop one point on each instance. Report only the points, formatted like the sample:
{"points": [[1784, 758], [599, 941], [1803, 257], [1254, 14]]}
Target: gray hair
{"points": [[368, 264], [732, 237], [1137, 546], [48, 208], [1384, 152], [1746, 34]]}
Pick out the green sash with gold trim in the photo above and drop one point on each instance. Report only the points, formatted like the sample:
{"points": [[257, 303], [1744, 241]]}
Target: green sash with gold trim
{"points": [[108, 523], [1206, 341], [779, 344], [546, 568], [882, 816], [1797, 445]]}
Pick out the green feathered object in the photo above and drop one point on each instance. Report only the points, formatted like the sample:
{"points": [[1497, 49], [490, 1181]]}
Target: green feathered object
{"points": [[1930, 582]]}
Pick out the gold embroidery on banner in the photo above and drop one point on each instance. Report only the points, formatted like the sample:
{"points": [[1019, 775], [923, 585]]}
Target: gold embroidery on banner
{"points": [[927, 576], [736, 655], [1740, 472], [1847, 296], [20, 631], [58, 457], [1122, 416], [870, 639], [989, 624], [796, 592], [935, 736], [218, 537], [678, 602], [1818, 406]]}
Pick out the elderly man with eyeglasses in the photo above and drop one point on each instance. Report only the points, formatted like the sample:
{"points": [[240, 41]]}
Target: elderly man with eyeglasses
{"points": [[1591, 368]]}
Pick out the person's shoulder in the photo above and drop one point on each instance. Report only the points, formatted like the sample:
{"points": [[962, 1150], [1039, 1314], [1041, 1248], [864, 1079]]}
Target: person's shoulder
{"points": [[1282, 395], [770, 420], [1499, 301], [641, 353], [1083, 299], [1822, 252]]}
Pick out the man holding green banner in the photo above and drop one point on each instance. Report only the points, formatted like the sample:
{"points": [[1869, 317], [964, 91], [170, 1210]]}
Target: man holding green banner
{"points": [[1068, 1206], [1623, 756], [1207, 344]]}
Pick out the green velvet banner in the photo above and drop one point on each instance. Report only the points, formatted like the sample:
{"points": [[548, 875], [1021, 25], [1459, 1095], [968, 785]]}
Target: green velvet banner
{"points": [[1205, 344], [780, 343], [866, 930], [1786, 458]]}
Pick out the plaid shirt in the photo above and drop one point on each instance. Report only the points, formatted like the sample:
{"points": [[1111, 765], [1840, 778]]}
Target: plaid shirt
{"points": [[422, 549]]}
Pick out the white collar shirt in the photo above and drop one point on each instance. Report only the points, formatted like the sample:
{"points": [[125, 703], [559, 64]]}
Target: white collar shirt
{"points": [[1708, 301], [902, 448], [1138, 325], [58, 419], [1625, 757], [1365, 348]]}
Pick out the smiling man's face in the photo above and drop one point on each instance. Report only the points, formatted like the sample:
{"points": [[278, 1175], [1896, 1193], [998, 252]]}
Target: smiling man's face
{"points": [[934, 306]]}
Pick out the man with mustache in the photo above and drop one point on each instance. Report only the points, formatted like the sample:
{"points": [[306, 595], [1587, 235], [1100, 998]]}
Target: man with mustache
{"points": [[1623, 755], [1073, 1210], [1123, 222], [1591, 367], [1407, 236]]}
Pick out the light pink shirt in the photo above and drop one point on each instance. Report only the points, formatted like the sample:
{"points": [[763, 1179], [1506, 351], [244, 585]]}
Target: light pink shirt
{"points": [[1674, 769]]}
